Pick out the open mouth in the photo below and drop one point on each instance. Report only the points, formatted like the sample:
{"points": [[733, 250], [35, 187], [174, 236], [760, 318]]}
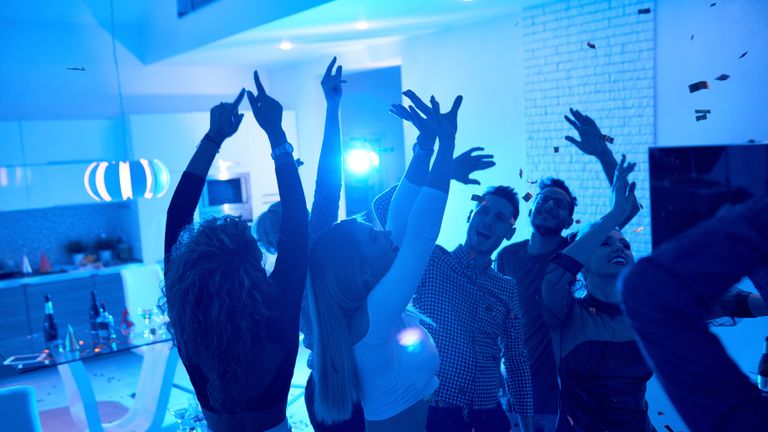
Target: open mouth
{"points": [[483, 236], [619, 260]]}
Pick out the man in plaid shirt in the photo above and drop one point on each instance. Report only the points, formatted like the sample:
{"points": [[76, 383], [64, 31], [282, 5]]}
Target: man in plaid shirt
{"points": [[476, 320]]}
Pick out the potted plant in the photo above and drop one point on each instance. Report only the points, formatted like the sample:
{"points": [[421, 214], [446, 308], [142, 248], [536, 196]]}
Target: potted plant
{"points": [[104, 246], [76, 249]]}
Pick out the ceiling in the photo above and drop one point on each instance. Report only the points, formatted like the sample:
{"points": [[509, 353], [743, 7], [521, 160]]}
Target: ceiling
{"points": [[238, 32]]}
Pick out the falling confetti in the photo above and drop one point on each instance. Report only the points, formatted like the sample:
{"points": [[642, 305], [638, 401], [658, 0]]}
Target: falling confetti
{"points": [[556, 149], [532, 181], [743, 54], [661, 413], [79, 68], [607, 138], [701, 117], [469, 216], [703, 111], [700, 85], [477, 198], [669, 428], [577, 221], [638, 229], [723, 77], [691, 37], [521, 173], [591, 45], [644, 11], [299, 163], [527, 197], [712, 4], [640, 205]]}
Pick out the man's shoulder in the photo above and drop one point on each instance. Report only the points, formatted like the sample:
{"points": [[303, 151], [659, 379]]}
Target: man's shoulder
{"points": [[514, 248]]}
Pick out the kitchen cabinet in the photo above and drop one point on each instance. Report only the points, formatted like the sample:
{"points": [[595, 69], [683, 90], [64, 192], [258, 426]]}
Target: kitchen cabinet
{"points": [[13, 316], [72, 141], [10, 146], [55, 185]]}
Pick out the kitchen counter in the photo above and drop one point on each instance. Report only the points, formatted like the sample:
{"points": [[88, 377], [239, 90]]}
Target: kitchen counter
{"points": [[64, 276]]}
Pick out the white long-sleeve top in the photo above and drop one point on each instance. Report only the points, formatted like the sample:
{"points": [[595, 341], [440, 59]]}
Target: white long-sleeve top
{"points": [[397, 359]]}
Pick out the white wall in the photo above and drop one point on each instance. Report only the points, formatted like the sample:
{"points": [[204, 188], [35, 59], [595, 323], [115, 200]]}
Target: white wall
{"points": [[721, 34]]}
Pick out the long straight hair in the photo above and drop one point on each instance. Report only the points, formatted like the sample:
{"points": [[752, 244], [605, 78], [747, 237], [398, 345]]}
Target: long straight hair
{"points": [[336, 291]]}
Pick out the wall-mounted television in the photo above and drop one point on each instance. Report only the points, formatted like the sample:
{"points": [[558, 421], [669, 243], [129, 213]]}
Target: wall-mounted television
{"points": [[690, 184]]}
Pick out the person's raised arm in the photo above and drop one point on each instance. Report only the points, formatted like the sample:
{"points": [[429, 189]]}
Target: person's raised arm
{"points": [[594, 143], [669, 296], [224, 122], [562, 270], [293, 245], [391, 296], [325, 205]]}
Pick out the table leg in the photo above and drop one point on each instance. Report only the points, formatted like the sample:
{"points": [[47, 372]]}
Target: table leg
{"points": [[80, 396]]}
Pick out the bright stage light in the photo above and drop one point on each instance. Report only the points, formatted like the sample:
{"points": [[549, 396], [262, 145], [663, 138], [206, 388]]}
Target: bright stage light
{"points": [[361, 160]]}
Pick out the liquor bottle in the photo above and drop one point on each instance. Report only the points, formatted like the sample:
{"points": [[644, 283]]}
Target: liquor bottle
{"points": [[93, 318], [762, 369], [50, 330], [106, 325]]}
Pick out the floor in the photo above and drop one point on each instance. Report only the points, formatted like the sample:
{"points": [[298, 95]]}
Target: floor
{"points": [[114, 381]]}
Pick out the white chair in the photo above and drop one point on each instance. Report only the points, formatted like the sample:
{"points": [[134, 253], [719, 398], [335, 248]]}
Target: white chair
{"points": [[18, 409], [141, 288]]}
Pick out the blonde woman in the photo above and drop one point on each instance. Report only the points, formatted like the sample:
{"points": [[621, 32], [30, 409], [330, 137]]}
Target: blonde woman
{"points": [[367, 346]]}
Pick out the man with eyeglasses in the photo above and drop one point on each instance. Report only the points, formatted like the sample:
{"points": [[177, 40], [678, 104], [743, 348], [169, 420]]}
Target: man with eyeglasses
{"points": [[526, 261]]}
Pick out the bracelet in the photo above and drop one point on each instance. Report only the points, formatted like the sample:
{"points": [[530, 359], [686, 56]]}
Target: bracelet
{"points": [[213, 141], [417, 150]]}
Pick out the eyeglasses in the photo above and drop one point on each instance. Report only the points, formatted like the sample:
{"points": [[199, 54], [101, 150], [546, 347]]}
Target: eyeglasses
{"points": [[559, 203]]}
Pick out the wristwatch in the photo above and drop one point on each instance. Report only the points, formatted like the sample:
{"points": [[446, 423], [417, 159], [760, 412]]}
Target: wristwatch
{"points": [[285, 148]]}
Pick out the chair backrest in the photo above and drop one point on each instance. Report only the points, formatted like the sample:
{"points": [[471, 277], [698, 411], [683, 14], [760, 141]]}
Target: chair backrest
{"points": [[18, 409], [141, 287]]}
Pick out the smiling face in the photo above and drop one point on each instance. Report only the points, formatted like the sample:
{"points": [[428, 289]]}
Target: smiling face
{"points": [[551, 213], [378, 252], [491, 223], [613, 255]]}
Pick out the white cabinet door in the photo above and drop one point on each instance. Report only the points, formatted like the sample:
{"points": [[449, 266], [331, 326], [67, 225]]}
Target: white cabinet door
{"points": [[171, 138], [10, 145], [72, 141], [13, 188], [54, 185]]}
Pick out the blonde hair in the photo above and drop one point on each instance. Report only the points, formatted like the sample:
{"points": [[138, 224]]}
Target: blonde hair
{"points": [[336, 291]]}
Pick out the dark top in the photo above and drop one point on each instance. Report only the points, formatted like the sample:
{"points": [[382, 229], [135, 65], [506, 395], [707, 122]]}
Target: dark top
{"points": [[602, 373], [689, 274], [269, 402], [528, 270]]}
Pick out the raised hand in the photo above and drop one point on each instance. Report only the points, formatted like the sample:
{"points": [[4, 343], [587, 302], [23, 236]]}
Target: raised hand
{"points": [[331, 84], [444, 125], [468, 163], [592, 142], [623, 192], [427, 135], [267, 111], [225, 119]]}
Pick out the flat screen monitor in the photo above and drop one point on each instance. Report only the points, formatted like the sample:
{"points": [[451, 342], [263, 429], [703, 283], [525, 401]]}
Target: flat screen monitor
{"points": [[224, 191], [690, 184]]}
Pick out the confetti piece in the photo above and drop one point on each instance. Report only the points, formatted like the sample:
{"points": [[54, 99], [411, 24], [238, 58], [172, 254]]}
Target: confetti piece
{"points": [[644, 11], [701, 117], [521, 173], [712, 4], [477, 198], [607, 138], [556, 149], [638, 229], [532, 181], [591, 45], [669, 428], [527, 197], [577, 221], [743, 54], [299, 163], [640, 205], [703, 111], [79, 69], [699, 85], [469, 216], [723, 77], [661, 413]]}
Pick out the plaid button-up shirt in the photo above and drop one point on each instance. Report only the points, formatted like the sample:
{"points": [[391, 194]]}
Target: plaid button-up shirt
{"points": [[476, 321]]}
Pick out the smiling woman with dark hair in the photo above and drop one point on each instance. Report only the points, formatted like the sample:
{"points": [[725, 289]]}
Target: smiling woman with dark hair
{"points": [[602, 373]]}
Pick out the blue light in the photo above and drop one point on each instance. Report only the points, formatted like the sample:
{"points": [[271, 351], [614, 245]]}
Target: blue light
{"points": [[361, 160]]}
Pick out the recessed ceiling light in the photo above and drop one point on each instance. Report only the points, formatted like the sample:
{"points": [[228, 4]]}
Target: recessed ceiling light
{"points": [[285, 45], [362, 25]]}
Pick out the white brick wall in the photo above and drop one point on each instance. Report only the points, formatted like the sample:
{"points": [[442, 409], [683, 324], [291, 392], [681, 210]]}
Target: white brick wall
{"points": [[613, 84]]}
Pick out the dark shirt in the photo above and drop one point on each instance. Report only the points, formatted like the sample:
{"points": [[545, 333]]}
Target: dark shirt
{"points": [[280, 344], [668, 298], [528, 271]]}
